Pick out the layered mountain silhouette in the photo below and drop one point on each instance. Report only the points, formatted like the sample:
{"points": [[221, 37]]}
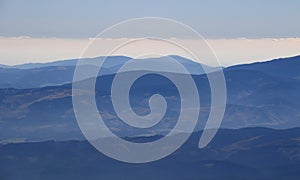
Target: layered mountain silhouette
{"points": [[35, 75], [259, 95], [259, 136]]}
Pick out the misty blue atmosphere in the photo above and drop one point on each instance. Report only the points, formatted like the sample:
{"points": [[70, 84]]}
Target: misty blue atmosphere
{"points": [[41, 137]]}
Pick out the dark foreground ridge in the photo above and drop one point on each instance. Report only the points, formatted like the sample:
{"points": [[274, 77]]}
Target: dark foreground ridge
{"points": [[250, 153]]}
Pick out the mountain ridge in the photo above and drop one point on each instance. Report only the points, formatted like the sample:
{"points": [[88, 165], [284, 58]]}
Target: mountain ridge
{"points": [[253, 153], [254, 98]]}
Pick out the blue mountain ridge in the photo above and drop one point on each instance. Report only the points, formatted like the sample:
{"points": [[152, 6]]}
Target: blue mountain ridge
{"points": [[255, 99], [40, 138], [250, 153], [37, 75]]}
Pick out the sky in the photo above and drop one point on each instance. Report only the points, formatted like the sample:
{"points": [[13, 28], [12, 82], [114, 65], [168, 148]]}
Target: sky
{"points": [[73, 22]]}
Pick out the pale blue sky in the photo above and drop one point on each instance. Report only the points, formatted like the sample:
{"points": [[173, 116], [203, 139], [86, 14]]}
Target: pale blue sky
{"points": [[213, 19]]}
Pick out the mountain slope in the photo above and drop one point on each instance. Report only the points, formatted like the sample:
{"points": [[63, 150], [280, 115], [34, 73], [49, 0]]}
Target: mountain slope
{"points": [[283, 67], [61, 72], [252, 153], [254, 98]]}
